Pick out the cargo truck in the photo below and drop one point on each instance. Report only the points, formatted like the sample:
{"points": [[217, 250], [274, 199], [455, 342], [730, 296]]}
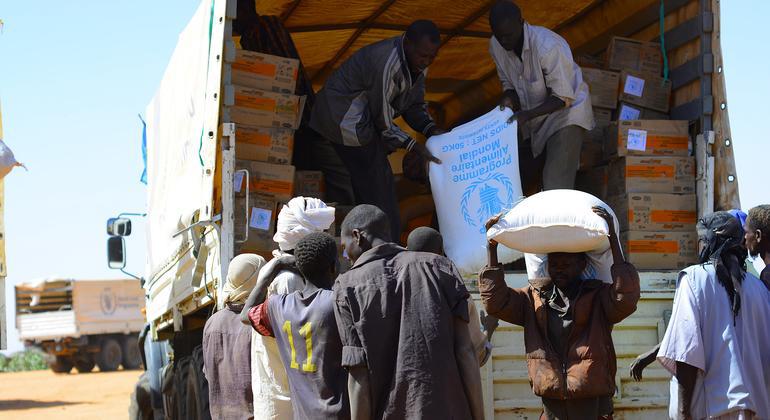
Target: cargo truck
{"points": [[82, 323], [192, 142]]}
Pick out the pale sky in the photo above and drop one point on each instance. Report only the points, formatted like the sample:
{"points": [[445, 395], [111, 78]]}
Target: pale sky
{"points": [[74, 76]]}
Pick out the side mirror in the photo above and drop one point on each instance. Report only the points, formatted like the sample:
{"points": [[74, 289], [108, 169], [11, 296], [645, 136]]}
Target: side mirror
{"points": [[119, 226], [116, 252]]}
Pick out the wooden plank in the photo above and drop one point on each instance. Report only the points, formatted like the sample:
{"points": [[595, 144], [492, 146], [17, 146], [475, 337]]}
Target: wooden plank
{"points": [[726, 194], [382, 26], [321, 74]]}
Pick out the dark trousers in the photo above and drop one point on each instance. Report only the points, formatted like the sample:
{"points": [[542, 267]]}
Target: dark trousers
{"points": [[554, 168], [372, 179]]}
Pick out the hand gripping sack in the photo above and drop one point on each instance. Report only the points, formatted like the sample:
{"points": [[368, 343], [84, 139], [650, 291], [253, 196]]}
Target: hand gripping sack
{"points": [[558, 221], [477, 179]]}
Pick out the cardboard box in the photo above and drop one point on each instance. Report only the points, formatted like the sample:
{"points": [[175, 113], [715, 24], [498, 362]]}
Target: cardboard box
{"points": [[634, 55], [264, 144], [660, 250], [259, 219], [628, 112], [655, 212], [652, 174], [264, 71], [593, 181], [647, 91], [254, 107], [602, 117], [309, 184], [274, 181], [603, 86], [647, 137], [589, 61]]}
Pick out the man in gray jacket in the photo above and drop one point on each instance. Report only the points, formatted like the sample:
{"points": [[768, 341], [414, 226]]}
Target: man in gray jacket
{"points": [[357, 105]]}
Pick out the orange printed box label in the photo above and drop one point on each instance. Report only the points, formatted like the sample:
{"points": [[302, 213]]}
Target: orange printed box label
{"points": [[673, 216], [653, 247], [264, 69], [272, 186], [668, 142], [255, 102], [649, 171], [255, 138]]}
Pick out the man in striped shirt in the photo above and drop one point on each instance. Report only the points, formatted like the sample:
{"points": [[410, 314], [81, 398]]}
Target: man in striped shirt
{"points": [[357, 106]]}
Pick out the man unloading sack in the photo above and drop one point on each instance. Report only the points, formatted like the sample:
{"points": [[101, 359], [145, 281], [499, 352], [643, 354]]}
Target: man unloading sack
{"points": [[545, 88], [567, 326], [357, 105]]}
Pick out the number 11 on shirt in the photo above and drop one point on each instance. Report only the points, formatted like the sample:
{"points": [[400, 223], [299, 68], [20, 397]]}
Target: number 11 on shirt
{"points": [[306, 332]]}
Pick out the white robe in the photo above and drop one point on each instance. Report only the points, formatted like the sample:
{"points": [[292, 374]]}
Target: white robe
{"points": [[730, 354]]}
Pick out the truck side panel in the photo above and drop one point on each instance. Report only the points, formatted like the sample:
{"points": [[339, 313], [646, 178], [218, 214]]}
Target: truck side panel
{"points": [[47, 325], [108, 306]]}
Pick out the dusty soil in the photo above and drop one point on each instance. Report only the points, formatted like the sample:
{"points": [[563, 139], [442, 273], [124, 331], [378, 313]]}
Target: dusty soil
{"points": [[46, 395]]}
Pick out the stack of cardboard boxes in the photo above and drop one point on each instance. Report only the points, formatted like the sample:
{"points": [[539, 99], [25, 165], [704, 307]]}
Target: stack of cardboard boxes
{"points": [[638, 161], [259, 98]]}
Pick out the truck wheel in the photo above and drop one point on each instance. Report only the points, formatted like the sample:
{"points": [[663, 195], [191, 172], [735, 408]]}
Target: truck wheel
{"points": [[61, 364], [132, 358], [84, 363], [109, 357]]}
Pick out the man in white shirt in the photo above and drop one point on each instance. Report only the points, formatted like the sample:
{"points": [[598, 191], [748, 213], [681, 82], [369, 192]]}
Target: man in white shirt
{"points": [[298, 218], [716, 342], [545, 88]]}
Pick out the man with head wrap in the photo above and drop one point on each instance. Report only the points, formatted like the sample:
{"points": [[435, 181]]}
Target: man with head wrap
{"points": [[226, 344], [719, 331], [298, 218]]}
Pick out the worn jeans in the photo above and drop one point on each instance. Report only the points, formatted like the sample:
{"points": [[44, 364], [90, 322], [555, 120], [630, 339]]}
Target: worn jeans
{"points": [[556, 166]]}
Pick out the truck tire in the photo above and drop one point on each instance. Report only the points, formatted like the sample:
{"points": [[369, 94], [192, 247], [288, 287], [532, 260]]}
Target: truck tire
{"points": [[197, 388], [84, 363], [110, 355], [61, 364], [140, 406], [132, 357]]}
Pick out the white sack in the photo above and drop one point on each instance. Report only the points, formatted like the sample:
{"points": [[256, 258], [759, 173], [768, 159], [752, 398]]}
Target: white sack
{"points": [[477, 179], [558, 221], [7, 160]]}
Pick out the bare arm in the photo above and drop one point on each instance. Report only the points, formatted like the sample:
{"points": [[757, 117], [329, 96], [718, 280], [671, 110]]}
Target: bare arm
{"points": [[642, 361], [265, 277], [685, 375], [469, 368], [359, 393], [499, 300], [620, 300], [551, 105]]}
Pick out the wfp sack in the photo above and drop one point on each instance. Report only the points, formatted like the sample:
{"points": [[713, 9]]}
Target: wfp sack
{"points": [[477, 179], [558, 221]]}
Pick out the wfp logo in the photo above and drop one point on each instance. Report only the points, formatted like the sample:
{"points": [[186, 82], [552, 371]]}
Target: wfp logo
{"points": [[107, 300], [486, 197]]}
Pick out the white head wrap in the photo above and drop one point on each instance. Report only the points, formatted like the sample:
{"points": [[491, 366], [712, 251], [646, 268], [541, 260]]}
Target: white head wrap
{"points": [[300, 217], [242, 277]]}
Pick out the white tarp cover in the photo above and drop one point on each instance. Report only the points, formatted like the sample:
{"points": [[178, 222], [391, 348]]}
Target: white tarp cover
{"points": [[477, 179], [175, 118]]}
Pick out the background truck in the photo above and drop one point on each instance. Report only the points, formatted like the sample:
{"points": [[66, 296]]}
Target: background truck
{"points": [[82, 323], [194, 229]]}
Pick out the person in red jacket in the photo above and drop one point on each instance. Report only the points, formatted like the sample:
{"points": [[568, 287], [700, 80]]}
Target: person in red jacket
{"points": [[567, 326]]}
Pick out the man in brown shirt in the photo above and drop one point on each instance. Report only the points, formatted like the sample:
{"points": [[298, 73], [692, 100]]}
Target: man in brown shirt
{"points": [[403, 320], [567, 327], [227, 344]]}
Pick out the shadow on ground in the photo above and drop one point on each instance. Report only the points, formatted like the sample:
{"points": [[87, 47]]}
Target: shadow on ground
{"points": [[29, 404]]}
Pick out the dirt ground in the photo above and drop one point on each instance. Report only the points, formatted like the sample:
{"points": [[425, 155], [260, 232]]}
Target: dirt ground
{"points": [[46, 395]]}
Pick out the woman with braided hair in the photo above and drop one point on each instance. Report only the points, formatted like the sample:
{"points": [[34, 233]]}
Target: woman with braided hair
{"points": [[719, 331]]}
